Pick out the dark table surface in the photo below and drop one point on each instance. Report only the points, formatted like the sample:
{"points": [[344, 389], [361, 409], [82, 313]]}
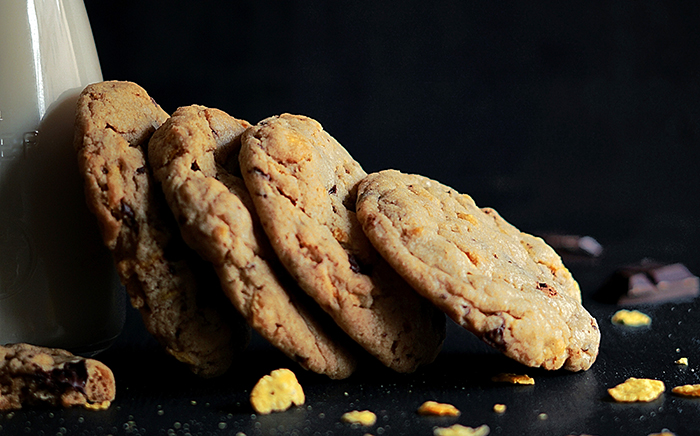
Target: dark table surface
{"points": [[576, 119]]}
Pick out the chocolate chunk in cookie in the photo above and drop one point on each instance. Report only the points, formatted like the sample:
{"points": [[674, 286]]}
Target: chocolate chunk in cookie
{"points": [[507, 287], [177, 293], [31, 375], [195, 157], [303, 184]]}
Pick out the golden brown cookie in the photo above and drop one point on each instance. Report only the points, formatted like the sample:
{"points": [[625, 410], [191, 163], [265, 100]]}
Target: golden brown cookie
{"points": [[31, 375], [177, 293], [507, 287], [195, 157], [303, 184]]}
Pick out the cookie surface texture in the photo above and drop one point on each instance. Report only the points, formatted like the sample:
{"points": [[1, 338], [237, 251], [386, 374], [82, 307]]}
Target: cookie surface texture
{"points": [[175, 291], [195, 157], [31, 375], [303, 184], [507, 287]]}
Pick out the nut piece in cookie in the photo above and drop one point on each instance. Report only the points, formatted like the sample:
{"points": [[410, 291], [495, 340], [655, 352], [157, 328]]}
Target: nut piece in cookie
{"points": [[507, 287], [303, 184], [175, 291], [31, 375], [194, 155]]}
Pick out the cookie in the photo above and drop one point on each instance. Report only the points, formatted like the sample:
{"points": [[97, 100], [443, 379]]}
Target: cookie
{"points": [[194, 155], [31, 375], [303, 185], [175, 291], [507, 287]]}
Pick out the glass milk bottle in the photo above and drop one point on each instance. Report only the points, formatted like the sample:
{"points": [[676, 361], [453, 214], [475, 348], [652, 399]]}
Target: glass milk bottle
{"points": [[58, 285]]}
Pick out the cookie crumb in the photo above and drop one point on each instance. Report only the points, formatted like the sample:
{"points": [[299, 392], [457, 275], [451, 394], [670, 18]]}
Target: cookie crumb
{"points": [[637, 390], [632, 318], [461, 430], [499, 408], [542, 416], [687, 390], [104, 405], [361, 417], [663, 432], [438, 409], [276, 392], [682, 361], [515, 379]]}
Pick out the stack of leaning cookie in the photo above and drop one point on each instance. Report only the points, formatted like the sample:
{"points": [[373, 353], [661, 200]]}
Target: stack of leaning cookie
{"points": [[326, 262]]}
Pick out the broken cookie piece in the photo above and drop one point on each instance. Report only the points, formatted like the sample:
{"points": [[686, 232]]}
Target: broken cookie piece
{"points": [[31, 375]]}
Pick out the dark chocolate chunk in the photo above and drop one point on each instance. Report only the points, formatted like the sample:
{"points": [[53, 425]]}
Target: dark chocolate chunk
{"points": [[573, 244], [649, 282]]}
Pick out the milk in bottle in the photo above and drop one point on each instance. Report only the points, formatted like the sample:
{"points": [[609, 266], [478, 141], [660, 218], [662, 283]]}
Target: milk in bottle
{"points": [[58, 286]]}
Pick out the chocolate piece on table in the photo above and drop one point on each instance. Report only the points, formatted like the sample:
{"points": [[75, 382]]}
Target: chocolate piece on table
{"points": [[574, 248], [650, 282]]}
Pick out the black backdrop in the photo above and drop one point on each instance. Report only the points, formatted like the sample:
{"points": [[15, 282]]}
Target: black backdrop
{"points": [[579, 118]]}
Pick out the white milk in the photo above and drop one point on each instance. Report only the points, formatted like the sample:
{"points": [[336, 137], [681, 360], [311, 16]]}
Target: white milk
{"points": [[58, 286]]}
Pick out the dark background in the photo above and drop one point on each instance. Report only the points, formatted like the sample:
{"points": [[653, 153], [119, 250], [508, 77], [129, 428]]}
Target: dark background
{"points": [[581, 119]]}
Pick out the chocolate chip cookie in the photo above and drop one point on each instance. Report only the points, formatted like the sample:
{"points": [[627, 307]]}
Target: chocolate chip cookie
{"points": [[507, 287], [194, 155], [176, 292], [303, 185], [31, 375]]}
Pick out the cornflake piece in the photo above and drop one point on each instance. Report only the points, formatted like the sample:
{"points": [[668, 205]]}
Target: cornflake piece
{"points": [[687, 390], [364, 417], [664, 432], [276, 392], [637, 390], [460, 430], [632, 318], [499, 408], [98, 406], [515, 379], [682, 361], [438, 409]]}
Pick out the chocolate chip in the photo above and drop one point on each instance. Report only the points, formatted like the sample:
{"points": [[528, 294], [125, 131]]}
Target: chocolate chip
{"points": [[547, 289], [141, 170], [333, 190], [71, 375], [357, 266], [354, 264], [495, 338], [195, 166], [260, 172], [127, 212]]}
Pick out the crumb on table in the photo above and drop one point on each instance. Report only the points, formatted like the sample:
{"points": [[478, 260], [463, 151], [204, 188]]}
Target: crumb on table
{"points": [[362, 417], [632, 318], [637, 390], [438, 409], [516, 379], [461, 430], [276, 392]]}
